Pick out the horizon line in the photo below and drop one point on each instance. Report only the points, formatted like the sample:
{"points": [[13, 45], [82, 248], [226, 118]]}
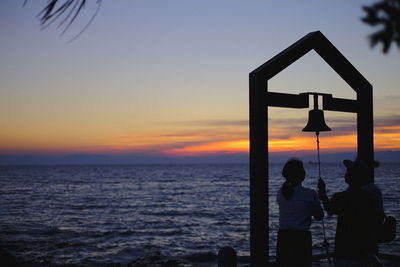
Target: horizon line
{"points": [[149, 159]]}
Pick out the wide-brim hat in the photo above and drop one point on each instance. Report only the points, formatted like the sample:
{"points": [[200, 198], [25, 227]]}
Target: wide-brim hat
{"points": [[358, 164]]}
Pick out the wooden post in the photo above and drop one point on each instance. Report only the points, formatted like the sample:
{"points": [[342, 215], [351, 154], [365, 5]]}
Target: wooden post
{"points": [[365, 129], [259, 237]]}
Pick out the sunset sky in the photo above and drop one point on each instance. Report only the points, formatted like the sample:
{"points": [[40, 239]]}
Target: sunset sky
{"points": [[169, 78]]}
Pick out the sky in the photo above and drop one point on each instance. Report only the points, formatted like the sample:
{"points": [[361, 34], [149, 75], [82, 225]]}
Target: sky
{"points": [[150, 80]]}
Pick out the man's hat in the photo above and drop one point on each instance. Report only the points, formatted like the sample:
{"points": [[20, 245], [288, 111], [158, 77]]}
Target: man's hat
{"points": [[358, 164]]}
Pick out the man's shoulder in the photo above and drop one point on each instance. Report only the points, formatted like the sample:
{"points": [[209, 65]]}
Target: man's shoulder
{"points": [[341, 193], [373, 188], [358, 194]]}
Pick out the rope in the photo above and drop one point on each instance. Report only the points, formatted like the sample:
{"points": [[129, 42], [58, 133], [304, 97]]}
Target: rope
{"points": [[319, 159], [325, 243]]}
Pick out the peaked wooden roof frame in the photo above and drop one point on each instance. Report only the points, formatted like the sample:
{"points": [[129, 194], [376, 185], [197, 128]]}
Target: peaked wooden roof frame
{"points": [[260, 99]]}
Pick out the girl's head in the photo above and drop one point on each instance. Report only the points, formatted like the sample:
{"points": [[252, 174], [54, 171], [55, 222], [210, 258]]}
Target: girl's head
{"points": [[294, 173]]}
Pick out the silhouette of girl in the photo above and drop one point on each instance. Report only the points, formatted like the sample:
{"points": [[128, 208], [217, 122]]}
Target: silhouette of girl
{"points": [[297, 205]]}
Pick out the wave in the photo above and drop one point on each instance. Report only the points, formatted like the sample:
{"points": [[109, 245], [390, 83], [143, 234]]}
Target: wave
{"points": [[201, 257], [157, 258], [192, 213], [167, 213]]}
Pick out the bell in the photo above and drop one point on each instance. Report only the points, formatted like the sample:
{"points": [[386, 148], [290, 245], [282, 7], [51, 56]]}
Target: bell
{"points": [[316, 122]]}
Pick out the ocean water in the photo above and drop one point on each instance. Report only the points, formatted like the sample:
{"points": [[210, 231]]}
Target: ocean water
{"points": [[101, 215]]}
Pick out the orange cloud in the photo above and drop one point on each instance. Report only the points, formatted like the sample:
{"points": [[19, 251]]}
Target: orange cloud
{"points": [[206, 141], [235, 146], [337, 143], [386, 138]]}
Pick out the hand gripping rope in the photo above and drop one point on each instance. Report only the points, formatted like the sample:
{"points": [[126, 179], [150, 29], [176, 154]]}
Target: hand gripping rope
{"points": [[325, 243]]}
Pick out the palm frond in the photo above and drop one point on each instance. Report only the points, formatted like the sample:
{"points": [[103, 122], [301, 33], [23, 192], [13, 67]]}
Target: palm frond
{"points": [[64, 11], [387, 15]]}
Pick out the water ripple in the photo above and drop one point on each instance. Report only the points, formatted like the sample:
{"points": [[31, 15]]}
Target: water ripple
{"points": [[99, 215]]}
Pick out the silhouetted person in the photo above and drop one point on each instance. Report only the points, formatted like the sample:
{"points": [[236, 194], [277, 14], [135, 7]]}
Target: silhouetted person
{"points": [[367, 181], [359, 213], [297, 205], [227, 257]]}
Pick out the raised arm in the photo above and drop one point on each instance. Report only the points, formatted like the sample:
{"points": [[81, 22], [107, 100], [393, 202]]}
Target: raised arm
{"points": [[318, 214], [324, 197], [316, 210]]}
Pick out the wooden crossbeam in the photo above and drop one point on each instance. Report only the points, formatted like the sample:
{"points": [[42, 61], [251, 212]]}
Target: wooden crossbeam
{"points": [[287, 100]]}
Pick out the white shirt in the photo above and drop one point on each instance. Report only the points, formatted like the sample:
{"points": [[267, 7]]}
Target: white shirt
{"points": [[295, 212]]}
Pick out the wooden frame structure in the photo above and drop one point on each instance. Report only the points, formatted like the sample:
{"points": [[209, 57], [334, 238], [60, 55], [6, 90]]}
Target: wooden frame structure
{"points": [[261, 99]]}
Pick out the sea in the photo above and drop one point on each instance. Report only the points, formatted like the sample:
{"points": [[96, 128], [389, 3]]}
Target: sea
{"points": [[111, 215]]}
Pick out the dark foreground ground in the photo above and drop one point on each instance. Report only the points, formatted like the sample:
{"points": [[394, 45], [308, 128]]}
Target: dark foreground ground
{"points": [[156, 259]]}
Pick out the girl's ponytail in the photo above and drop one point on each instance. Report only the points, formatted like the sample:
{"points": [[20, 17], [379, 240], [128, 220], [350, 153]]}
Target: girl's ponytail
{"points": [[287, 190], [294, 173]]}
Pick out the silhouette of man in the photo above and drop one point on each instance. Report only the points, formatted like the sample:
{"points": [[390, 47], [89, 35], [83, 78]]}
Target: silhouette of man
{"points": [[359, 214]]}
